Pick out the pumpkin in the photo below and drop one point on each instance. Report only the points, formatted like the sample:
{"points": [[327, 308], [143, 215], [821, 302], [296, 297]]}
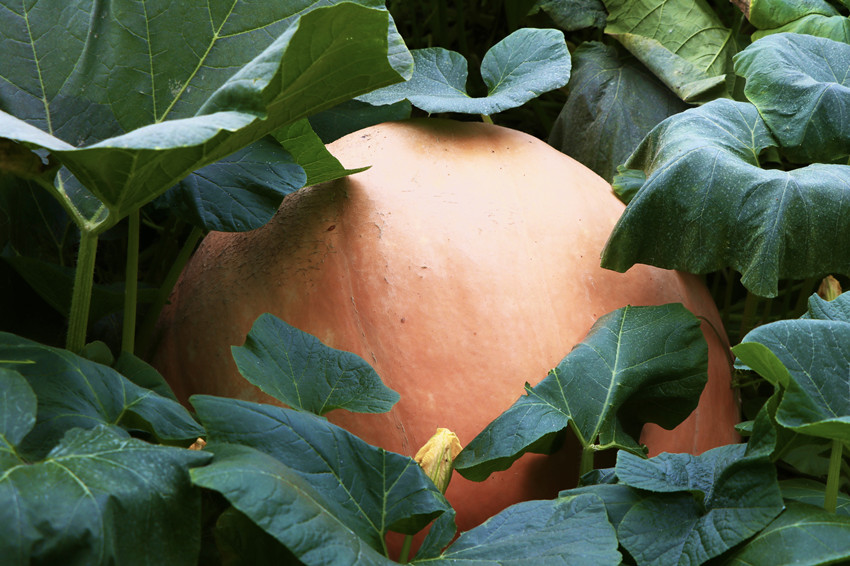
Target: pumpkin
{"points": [[461, 265]]}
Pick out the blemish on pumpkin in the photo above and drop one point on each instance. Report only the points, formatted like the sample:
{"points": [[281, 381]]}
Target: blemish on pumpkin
{"points": [[402, 320], [331, 227]]}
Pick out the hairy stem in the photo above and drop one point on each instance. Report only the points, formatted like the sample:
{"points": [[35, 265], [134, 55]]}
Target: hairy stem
{"points": [[78, 320], [586, 464]]}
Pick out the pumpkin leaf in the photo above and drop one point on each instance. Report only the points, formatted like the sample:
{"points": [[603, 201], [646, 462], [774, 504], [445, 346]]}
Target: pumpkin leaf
{"points": [[802, 534], [636, 365], [812, 492], [354, 115], [814, 351], [683, 42], [287, 506], [302, 462], [618, 498], [54, 283], [572, 15], [566, 530], [612, 104], [708, 205], [522, 66], [239, 192], [17, 415], [801, 86], [295, 368], [310, 153], [813, 17], [112, 500], [241, 542], [75, 392], [192, 110], [701, 505]]}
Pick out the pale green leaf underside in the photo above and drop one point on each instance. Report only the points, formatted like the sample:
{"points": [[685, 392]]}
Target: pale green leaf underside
{"points": [[683, 43], [522, 66]]}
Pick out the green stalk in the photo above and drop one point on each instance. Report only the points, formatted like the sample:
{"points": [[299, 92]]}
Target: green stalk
{"points": [[586, 464], [148, 326], [405, 549], [78, 320], [131, 284], [831, 497]]}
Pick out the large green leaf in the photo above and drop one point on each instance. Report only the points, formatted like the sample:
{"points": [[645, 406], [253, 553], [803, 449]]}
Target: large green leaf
{"points": [[815, 352], [812, 492], [802, 534], [240, 192], [75, 392], [636, 365], [299, 370], [801, 87], [569, 530], [618, 498], [573, 15], [706, 204], [364, 489], [100, 497], [310, 152], [241, 542], [354, 115], [54, 283], [307, 520], [812, 17], [522, 66], [683, 42], [613, 103], [17, 415], [191, 108], [701, 505]]}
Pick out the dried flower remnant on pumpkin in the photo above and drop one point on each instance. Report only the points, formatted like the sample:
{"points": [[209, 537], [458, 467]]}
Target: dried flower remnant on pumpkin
{"points": [[198, 444], [437, 457]]}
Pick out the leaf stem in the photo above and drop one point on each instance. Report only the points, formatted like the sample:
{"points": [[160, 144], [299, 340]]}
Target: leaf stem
{"points": [[586, 465], [831, 497], [81, 299], [405, 549], [131, 284], [148, 326], [486, 119]]}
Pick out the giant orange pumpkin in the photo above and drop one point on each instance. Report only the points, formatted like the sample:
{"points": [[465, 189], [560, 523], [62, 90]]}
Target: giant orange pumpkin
{"points": [[462, 264]]}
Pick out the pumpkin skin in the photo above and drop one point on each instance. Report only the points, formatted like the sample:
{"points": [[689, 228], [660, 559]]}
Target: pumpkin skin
{"points": [[461, 265]]}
